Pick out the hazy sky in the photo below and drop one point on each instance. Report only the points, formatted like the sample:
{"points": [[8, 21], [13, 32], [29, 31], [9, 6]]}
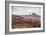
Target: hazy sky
{"points": [[22, 10]]}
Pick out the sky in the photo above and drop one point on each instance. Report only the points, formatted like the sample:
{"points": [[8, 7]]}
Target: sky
{"points": [[23, 10]]}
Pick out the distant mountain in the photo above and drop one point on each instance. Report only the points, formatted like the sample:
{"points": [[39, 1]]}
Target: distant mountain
{"points": [[32, 17], [16, 17]]}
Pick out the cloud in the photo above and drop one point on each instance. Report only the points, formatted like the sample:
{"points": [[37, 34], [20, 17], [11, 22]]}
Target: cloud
{"points": [[21, 10]]}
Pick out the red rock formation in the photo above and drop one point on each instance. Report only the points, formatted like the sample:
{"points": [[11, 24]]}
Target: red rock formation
{"points": [[26, 21]]}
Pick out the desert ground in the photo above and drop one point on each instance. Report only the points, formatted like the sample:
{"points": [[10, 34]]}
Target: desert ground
{"points": [[25, 24]]}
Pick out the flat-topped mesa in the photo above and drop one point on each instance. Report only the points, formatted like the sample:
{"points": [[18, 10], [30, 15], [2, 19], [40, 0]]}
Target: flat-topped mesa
{"points": [[33, 14]]}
